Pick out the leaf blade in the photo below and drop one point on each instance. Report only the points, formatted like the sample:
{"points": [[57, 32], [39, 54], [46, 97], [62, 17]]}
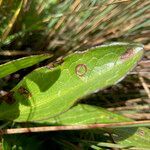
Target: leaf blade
{"points": [[54, 91], [15, 65], [86, 114]]}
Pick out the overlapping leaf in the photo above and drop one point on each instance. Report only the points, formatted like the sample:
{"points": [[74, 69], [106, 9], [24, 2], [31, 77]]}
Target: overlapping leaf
{"points": [[85, 114], [15, 65]]}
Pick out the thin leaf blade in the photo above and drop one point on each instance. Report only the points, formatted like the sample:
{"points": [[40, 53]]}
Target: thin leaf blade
{"points": [[15, 65]]}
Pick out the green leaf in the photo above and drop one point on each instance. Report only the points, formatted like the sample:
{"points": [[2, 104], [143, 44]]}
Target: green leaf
{"points": [[86, 114], [46, 93], [15, 65]]}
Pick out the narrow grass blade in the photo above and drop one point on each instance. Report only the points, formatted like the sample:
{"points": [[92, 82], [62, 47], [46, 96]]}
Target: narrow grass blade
{"points": [[15, 65], [11, 22]]}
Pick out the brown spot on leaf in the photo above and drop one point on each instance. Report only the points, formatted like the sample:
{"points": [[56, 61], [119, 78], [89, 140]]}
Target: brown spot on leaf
{"points": [[8, 98], [141, 132], [81, 70], [54, 64], [23, 91], [127, 54]]}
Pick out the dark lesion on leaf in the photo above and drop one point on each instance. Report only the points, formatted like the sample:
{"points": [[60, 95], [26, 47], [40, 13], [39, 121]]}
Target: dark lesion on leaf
{"points": [[7, 97], [23, 91], [55, 63], [128, 54], [81, 69], [141, 132]]}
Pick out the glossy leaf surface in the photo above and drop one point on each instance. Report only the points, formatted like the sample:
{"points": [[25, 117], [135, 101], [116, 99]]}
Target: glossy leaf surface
{"points": [[15, 65], [46, 93]]}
